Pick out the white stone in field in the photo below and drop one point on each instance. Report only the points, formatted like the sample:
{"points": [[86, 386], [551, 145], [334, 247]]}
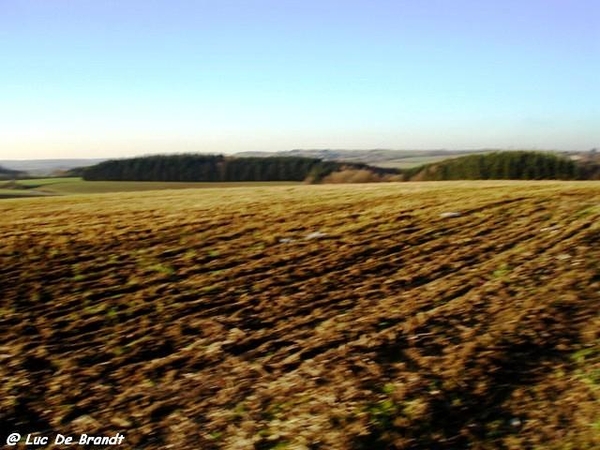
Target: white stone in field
{"points": [[315, 235], [450, 214], [563, 256]]}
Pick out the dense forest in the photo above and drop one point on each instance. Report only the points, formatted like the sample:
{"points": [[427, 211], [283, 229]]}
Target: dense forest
{"points": [[196, 167], [513, 165]]}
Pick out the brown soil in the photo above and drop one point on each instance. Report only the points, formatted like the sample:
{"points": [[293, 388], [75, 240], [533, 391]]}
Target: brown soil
{"points": [[310, 317]]}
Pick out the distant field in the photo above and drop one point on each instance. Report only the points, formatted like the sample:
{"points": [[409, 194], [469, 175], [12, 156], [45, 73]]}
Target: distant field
{"points": [[439, 315], [73, 185], [407, 163], [415, 161]]}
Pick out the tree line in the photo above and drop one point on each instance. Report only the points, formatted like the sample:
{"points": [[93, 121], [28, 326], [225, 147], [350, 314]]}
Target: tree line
{"points": [[522, 165], [196, 167]]}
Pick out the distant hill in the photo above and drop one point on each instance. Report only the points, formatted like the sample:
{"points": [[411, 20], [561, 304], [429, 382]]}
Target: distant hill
{"points": [[48, 167], [9, 174], [376, 157]]}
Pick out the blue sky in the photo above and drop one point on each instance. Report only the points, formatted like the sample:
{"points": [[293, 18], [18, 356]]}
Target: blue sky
{"points": [[108, 78]]}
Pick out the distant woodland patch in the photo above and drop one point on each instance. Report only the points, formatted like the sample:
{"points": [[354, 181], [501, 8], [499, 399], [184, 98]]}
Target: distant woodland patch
{"points": [[502, 165], [507, 165]]}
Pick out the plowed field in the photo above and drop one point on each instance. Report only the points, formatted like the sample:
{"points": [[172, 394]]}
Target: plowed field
{"points": [[306, 317]]}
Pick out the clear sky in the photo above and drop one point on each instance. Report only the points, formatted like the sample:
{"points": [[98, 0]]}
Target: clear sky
{"points": [[105, 78]]}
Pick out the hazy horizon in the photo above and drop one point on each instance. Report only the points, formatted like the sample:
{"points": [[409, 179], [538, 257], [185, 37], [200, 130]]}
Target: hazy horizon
{"points": [[115, 79]]}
